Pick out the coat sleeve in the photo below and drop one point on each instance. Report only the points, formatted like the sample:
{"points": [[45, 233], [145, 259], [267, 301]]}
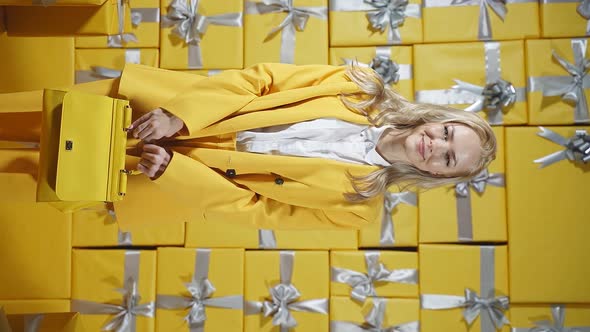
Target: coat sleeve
{"points": [[217, 97], [217, 199]]}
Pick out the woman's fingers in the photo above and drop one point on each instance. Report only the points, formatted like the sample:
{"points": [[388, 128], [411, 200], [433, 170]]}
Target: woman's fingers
{"points": [[137, 123]]}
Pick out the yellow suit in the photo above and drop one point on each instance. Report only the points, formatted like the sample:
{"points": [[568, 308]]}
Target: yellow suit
{"points": [[267, 191]]}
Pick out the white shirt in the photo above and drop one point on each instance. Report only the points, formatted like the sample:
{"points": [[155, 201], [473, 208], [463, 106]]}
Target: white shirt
{"points": [[323, 138]]}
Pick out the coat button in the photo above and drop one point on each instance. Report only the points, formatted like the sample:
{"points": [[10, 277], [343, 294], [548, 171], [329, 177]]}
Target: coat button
{"points": [[231, 173], [279, 181]]}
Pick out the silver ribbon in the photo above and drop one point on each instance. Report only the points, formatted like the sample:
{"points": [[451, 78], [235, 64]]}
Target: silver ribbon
{"points": [[363, 284], [490, 309], [391, 201], [557, 325], [126, 312], [139, 15], [571, 87], [381, 14], [296, 20], [123, 238], [266, 239], [283, 298], [463, 200], [374, 322], [121, 38], [191, 26], [494, 97], [382, 64], [132, 55], [32, 323], [577, 148], [200, 289]]}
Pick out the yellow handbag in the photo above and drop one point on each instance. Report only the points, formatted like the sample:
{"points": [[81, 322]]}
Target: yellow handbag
{"points": [[83, 141]]}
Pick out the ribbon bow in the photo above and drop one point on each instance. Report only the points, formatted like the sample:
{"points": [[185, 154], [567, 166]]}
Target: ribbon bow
{"points": [[584, 9], [493, 306], [497, 6], [363, 285], [190, 26], [374, 322], [479, 182], [390, 13], [200, 290], [281, 297], [297, 16], [386, 68], [493, 97], [572, 90], [121, 38], [392, 200], [577, 148]]}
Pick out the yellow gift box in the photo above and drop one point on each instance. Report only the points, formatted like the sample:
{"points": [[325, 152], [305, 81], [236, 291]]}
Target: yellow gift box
{"points": [[279, 271], [449, 270], [399, 226], [180, 268], [97, 227], [567, 317], [546, 206], [347, 267], [43, 322], [437, 67], [215, 234], [68, 21], [469, 20], [401, 55], [401, 313], [302, 45], [561, 19], [219, 44], [36, 245], [350, 26], [32, 63], [145, 18], [445, 218], [34, 306], [545, 72], [102, 279], [97, 64]]}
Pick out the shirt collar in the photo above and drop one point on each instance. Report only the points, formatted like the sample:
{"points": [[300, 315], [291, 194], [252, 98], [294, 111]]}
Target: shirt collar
{"points": [[373, 157]]}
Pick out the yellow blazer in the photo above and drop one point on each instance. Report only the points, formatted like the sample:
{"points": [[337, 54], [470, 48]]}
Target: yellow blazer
{"points": [[267, 191]]}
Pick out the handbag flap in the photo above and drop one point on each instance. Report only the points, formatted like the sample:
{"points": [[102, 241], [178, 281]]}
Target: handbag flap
{"points": [[83, 162]]}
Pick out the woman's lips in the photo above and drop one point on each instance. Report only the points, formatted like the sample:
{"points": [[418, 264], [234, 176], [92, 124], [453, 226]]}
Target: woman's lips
{"points": [[421, 148]]}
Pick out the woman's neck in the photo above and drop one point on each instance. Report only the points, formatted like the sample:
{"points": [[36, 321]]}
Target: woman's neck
{"points": [[391, 145]]}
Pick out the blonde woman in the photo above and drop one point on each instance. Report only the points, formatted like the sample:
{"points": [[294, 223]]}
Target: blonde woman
{"points": [[279, 146]]}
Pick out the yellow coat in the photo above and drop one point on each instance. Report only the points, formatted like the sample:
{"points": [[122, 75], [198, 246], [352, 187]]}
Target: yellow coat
{"points": [[310, 193]]}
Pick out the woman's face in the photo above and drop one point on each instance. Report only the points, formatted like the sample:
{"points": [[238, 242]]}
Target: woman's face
{"points": [[445, 149]]}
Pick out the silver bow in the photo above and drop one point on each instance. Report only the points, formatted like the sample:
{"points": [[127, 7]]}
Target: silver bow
{"points": [[557, 325], [363, 285], [124, 320], [390, 13], [479, 182], [283, 298], [484, 28], [386, 68], [123, 238], [577, 148], [584, 9], [391, 200], [493, 97], [493, 306], [374, 322], [296, 20], [572, 90]]}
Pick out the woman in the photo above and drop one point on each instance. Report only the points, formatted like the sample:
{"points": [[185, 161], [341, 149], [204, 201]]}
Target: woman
{"points": [[217, 144]]}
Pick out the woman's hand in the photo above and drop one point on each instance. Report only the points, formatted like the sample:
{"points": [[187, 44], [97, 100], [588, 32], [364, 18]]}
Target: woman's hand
{"points": [[155, 125], [154, 160]]}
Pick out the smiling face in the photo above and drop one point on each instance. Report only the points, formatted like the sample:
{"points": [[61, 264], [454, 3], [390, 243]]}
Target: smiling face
{"points": [[443, 149]]}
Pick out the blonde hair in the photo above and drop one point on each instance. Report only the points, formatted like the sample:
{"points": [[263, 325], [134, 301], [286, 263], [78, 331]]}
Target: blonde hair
{"points": [[383, 106]]}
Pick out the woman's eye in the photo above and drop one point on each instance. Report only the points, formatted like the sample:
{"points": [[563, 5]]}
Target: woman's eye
{"points": [[448, 159], [446, 132]]}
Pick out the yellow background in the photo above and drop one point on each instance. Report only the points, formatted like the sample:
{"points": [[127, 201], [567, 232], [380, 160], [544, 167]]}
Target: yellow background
{"points": [[562, 20]]}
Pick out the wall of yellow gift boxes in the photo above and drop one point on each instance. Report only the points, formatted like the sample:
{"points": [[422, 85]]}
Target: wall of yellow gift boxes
{"points": [[508, 251]]}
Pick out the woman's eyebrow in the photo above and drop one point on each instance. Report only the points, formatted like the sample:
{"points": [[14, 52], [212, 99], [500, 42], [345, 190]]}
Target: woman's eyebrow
{"points": [[452, 139]]}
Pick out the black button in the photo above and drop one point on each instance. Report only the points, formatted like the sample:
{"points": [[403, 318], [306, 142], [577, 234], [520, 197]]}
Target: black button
{"points": [[230, 173], [279, 181]]}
